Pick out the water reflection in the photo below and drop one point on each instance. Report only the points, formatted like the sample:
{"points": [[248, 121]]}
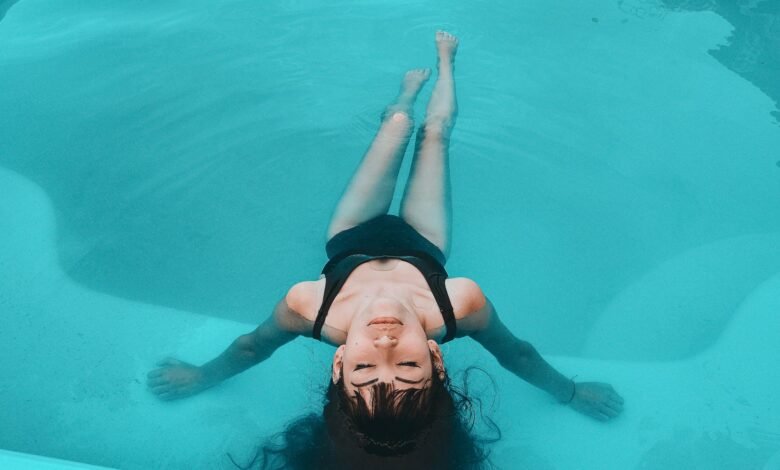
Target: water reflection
{"points": [[6, 5], [753, 50]]}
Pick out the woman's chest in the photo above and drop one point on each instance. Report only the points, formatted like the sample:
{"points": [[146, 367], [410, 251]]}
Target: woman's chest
{"points": [[388, 278]]}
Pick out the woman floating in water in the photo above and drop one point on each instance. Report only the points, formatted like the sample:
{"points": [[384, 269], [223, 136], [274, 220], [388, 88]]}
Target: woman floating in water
{"points": [[387, 303]]}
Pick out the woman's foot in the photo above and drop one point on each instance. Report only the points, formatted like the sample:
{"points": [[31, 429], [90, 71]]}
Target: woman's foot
{"points": [[414, 80], [441, 107], [410, 87], [446, 45]]}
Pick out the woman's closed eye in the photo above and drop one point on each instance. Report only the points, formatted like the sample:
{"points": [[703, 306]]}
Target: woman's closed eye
{"points": [[406, 364], [409, 364]]}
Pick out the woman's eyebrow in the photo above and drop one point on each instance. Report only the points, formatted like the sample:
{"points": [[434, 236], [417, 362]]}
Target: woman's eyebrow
{"points": [[373, 381]]}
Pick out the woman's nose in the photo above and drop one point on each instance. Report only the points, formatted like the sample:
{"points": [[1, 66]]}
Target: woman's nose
{"points": [[385, 341]]}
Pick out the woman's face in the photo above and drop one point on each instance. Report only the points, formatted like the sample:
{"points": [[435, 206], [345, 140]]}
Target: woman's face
{"points": [[386, 343]]}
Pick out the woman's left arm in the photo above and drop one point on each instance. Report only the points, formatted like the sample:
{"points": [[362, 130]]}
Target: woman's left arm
{"points": [[597, 400]]}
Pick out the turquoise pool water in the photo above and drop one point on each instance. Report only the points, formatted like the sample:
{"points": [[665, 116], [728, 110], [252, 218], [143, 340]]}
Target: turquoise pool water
{"points": [[167, 170]]}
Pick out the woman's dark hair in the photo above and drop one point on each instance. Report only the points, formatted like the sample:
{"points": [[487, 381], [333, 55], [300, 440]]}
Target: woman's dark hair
{"points": [[416, 428]]}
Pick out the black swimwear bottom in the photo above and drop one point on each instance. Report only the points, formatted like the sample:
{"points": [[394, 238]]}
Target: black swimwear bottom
{"points": [[384, 236]]}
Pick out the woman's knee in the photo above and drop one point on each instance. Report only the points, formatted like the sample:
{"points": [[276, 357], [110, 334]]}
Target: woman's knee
{"points": [[436, 129], [397, 116]]}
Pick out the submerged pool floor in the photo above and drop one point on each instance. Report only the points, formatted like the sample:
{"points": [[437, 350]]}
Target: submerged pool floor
{"points": [[76, 362]]}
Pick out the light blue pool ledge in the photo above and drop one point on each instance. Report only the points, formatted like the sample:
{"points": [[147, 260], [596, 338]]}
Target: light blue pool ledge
{"points": [[18, 461]]}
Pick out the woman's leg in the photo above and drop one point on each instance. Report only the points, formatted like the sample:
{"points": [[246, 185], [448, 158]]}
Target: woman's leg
{"points": [[427, 204], [370, 191]]}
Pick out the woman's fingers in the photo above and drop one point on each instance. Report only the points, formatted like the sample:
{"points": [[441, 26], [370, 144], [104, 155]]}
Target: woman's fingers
{"points": [[598, 400], [174, 379], [161, 389], [156, 381], [168, 361], [601, 413], [612, 413], [614, 405], [169, 393]]}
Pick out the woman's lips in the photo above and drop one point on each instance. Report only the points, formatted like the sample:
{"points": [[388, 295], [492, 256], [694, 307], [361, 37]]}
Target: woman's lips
{"points": [[385, 321]]}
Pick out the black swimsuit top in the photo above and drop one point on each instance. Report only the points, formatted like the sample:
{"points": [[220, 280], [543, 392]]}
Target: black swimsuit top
{"points": [[337, 271]]}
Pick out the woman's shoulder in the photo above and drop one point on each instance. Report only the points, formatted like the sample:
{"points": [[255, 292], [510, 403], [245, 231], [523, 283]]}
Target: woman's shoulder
{"points": [[465, 294], [303, 301], [304, 298], [468, 302]]}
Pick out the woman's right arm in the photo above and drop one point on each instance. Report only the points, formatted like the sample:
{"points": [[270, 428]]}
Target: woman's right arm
{"points": [[177, 379], [255, 347]]}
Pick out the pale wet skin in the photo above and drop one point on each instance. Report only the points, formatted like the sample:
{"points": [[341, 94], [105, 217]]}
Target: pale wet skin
{"points": [[396, 352], [386, 343]]}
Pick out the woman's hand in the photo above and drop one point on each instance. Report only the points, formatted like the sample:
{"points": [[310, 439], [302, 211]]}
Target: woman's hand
{"points": [[597, 400], [175, 379]]}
